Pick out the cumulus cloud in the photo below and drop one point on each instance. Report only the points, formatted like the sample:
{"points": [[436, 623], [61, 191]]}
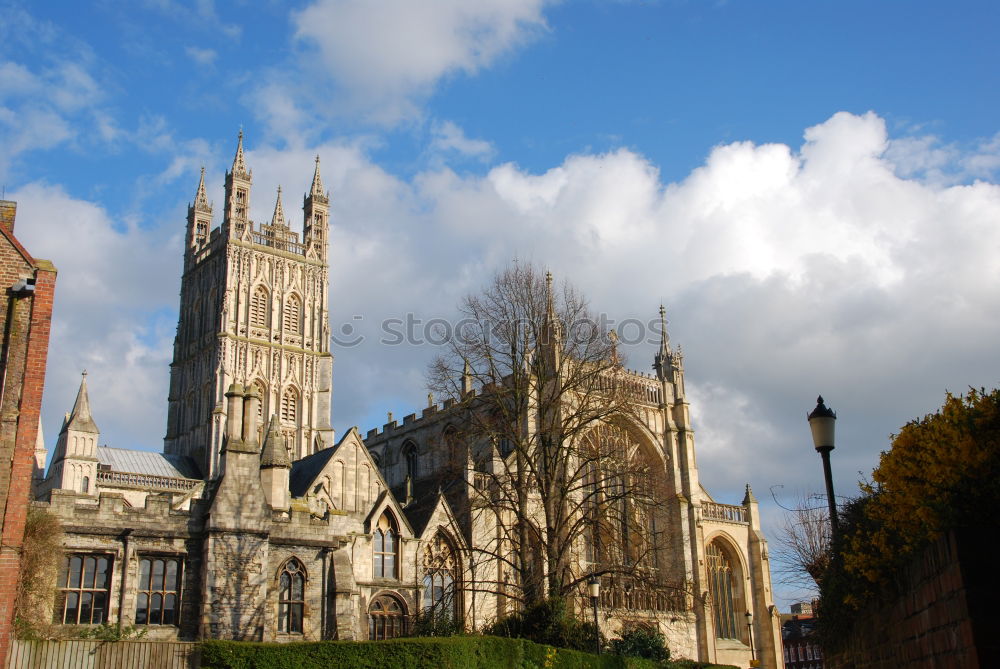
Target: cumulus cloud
{"points": [[388, 56], [114, 311]]}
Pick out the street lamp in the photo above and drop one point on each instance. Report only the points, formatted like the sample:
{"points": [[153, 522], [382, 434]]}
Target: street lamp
{"points": [[822, 421], [595, 593], [753, 657]]}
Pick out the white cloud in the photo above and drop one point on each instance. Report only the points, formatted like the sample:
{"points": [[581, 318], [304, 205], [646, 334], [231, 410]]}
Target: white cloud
{"points": [[449, 139], [200, 56], [389, 55], [114, 292]]}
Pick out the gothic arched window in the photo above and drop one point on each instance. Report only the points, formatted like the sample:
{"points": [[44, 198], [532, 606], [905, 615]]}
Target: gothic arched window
{"points": [[290, 406], [291, 321], [291, 597], [259, 308], [441, 578], [386, 618], [410, 458], [723, 588], [386, 546]]}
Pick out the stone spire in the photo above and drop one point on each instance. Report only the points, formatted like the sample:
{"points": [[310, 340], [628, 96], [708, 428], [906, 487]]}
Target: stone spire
{"points": [[239, 162], [466, 379], [748, 498], [80, 418], [317, 184], [278, 219], [201, 197], [274, 453]]}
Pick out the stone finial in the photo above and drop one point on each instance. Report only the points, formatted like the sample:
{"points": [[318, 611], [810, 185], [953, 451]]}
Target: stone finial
{"points": [[274, 453], [430, 400], [748, 498]]}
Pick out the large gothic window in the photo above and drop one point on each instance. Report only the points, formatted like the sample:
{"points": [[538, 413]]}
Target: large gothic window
{"points": [[722, 582], [386, 547], [291, 597], [386, 618], [441, 578], [290, 406], [259, 308], [291, 320]]}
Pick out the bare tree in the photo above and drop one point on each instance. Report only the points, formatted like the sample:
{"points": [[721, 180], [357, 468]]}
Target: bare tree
{"points": [[804, 541], [546, 404]]}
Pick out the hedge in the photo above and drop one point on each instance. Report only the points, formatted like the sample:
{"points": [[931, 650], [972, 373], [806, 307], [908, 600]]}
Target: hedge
{"points": [[466, 652]]}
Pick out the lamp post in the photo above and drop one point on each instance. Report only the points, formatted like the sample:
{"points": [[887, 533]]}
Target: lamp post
{"points": [[595, 593], [822, 421], [753, 656]]}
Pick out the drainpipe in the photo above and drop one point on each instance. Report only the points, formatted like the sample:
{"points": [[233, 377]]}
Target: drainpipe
{"points": [[126, 536], [324, 604]]}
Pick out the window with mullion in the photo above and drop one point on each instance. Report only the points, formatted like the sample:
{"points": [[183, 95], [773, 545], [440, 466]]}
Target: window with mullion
{"points": [[85, 587], [158, 595], [384, 548], [291, 598]]}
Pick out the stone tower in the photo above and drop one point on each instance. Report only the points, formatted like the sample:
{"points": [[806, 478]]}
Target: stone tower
{"points": [[253, 311], [74, 463]]}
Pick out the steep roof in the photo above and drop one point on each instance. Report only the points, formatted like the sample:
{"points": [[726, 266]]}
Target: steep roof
{"points": [[305, 471], [148, 462]]}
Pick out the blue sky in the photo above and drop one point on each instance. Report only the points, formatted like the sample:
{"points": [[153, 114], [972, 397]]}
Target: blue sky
{"points": [[810, 187]]}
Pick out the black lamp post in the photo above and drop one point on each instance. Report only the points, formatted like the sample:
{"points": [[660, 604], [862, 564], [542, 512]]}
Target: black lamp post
{"points": [[822, 421], [753, 656], [595, 594]]}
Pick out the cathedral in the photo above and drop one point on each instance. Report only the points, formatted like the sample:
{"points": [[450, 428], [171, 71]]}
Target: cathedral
{"points": [[256, 523]]}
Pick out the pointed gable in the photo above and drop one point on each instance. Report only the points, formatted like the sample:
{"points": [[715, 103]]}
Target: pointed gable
{"points": [[345, 473]]}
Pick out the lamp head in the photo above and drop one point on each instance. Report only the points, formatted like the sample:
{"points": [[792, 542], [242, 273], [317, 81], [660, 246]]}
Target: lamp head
{"points": [[822, 421]]}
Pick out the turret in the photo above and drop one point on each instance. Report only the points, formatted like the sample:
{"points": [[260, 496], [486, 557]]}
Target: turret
{"points": [[199, 220], [275, 467], [316, 211], [74, 463], [238, 181]]}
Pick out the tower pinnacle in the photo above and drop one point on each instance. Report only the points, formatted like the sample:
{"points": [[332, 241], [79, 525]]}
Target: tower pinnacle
{"points": [[664, 357], [239, 163], [278, 219], [317, 184], [201, 197], [80, 418]]}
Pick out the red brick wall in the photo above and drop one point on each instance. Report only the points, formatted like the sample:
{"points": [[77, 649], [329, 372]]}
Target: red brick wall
{"points": [[932, 623], [23, 382]]}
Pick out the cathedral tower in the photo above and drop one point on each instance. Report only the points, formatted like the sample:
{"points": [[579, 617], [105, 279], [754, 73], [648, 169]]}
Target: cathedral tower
{"points": [[253, 311]]}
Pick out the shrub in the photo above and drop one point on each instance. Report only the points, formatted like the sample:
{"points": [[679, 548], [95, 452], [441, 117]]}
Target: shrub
{"points": [[435, 624], [641, 642], [41, 553], [548, 622]]}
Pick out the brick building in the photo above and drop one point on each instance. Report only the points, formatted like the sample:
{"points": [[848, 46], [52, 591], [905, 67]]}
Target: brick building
{"points": [[28, 285]]}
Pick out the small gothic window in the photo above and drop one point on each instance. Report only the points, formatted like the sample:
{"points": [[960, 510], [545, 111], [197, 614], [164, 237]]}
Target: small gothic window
{"points": [[258, 308], [721, 581], [291, 597], [86, 484], [159, 591], [410, 457], [386, 546], [386, 618], [290, 406], [292, 316], [85, 589]]}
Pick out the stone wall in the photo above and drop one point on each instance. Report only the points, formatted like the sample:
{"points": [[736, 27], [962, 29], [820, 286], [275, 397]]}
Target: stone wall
{"points": [[945, 617]]}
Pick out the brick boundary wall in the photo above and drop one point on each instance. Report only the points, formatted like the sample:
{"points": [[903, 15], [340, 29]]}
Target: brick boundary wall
{"points": [[25, 382], [946, 616]]}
